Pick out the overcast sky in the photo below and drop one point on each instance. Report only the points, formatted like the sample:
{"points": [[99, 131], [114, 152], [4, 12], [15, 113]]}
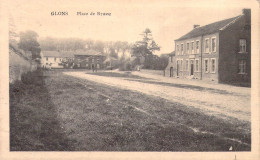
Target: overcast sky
{"points": [[168, 20]]}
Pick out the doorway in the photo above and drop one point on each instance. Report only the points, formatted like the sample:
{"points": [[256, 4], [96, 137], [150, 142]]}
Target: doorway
{"points": [[191, 67], [171, 72]]}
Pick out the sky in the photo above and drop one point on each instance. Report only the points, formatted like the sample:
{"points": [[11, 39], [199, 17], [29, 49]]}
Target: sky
{"points": [[168, 20]]}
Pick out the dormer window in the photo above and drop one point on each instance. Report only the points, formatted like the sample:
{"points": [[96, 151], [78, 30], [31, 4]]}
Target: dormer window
{"points": [[242, 46]]}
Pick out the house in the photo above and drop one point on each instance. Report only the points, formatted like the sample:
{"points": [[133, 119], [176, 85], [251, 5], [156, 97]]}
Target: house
{"points": [[170, 67], [219, 52], [51, 59], [55, 59], [89, 59]]}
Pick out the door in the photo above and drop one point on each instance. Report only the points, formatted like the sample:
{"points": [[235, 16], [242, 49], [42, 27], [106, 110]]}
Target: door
{"points": [[191, 67], [171, 72]]}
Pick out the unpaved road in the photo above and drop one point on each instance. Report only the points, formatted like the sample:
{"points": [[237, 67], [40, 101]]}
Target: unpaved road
{"points": [[225, 103]]}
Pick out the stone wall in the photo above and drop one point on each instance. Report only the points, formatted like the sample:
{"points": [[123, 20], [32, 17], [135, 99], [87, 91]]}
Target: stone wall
{"points": [[19, 64]]}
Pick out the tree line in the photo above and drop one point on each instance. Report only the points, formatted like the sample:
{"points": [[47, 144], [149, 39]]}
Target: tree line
{"points": [[143, 49], [73, 44]]}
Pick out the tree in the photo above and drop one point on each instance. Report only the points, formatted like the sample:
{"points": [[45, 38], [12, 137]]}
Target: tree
{"points": [[99, 46], [28, 42], [145, 47]]}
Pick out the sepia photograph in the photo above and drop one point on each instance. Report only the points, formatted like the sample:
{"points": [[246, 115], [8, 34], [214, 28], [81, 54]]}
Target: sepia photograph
{"points": [[132, 77]]}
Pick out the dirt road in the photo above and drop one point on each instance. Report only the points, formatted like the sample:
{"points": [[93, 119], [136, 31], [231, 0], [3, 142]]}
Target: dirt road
{"points": [[221, 102]]}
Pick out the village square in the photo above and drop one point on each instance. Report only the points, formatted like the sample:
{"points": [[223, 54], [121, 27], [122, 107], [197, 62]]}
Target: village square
{"points": [[81, 94]]}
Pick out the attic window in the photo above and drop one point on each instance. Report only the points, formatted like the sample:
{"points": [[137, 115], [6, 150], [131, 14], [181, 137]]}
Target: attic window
{"points": [[242, 45]]}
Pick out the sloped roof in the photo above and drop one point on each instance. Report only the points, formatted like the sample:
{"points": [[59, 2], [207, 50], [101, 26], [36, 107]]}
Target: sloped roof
{"points": [[90, 52], [50, 53], [57, 54], [207, 29], [67, 54]]}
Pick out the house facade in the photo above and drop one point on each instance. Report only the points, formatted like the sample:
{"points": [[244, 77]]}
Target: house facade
{"points": [[51, 59], [219, 52], [89, 59]]}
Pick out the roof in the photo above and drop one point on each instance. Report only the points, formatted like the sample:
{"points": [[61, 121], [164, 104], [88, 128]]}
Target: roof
{"points": [[208, 29], [90, 52], [71, 54], [50, 53]]}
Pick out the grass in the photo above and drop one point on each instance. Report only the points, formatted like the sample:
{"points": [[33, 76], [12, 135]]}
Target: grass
{"points": [[33, 118], [86, 116]]}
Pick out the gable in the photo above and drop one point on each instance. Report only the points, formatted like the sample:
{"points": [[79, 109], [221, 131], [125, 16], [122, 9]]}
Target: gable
{"points": [[208, 29]]}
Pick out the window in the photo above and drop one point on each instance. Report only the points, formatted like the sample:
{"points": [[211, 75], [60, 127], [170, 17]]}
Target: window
{"points": [[46, 58], [242, 67], [196, 65], [188, 48], [213, 44], [93, 60], [192, 47], [242, 45], [206, 65], [55, 59], [181, 48], [181, 67], [187, 65], [171, 58], [207, 45], [213, 65], [197, 46], [178, 49]]}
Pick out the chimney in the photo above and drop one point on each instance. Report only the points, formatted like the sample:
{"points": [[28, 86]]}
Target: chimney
{"points": [[247, 13], [195, 26]]}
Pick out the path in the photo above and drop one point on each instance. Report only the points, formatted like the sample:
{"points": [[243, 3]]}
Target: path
{"points": [[221, 105]]}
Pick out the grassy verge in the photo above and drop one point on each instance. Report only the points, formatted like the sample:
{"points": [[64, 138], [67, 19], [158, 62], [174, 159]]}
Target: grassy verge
{"points": [[97, 117], [33, 117]]}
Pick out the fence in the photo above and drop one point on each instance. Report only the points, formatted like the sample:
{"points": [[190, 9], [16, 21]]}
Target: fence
{"points": [[19, 64]]}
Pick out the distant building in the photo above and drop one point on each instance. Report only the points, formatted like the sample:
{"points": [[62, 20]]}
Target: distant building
{"points": [[52, 59], [219, 51], [170, 67], [89, 59]]}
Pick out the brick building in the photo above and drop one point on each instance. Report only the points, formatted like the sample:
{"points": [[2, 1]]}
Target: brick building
{"points": [[219, 51], [89, 59]]}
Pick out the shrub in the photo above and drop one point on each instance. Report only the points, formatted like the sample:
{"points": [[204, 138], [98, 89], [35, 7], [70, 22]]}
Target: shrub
{"points": [[34, 77]]}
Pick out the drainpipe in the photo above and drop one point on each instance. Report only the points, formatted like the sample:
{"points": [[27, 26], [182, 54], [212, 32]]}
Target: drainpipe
{"points": [[201, 63]]}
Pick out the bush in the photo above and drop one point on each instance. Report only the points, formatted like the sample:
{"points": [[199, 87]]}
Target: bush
{"points": [[34, 78], [125, 66]]}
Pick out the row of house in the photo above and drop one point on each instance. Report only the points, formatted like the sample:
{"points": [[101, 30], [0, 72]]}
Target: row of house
{"points": [[220, 51], [89, 59]]}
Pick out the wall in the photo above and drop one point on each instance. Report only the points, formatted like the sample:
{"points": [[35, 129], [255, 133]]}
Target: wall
{"points": [[189, 56], [229, 52], [19, 64], [52, 62], [210, 76], [170, 64], [86, 61]]}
